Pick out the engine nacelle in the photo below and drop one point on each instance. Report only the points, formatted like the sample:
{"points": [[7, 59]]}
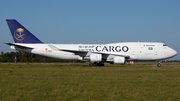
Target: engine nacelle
{"points": [[95, 58], [118, 60]]}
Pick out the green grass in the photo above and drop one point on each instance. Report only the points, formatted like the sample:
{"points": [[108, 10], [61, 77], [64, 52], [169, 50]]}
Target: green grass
{"points": [[78, 82]]}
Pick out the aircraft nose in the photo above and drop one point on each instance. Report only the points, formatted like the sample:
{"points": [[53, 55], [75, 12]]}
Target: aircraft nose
{"points": [[173, 53]]}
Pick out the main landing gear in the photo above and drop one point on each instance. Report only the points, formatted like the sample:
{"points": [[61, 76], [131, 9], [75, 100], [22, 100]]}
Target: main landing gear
{"points": [[96, 64]]}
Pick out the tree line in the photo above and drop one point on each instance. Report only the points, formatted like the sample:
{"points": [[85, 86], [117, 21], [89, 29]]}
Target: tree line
{"points": [[25, 57], [28, 57]]}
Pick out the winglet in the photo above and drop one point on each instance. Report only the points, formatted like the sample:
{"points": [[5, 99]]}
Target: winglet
{"points": [[21, 34]]}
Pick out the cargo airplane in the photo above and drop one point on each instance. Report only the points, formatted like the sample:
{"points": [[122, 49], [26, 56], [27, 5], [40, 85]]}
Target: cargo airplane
{"points": [[95, 54]]}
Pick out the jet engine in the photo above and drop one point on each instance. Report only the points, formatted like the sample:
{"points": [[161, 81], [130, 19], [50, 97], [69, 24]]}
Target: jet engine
{"points": [[118, 60], [95, 58]]}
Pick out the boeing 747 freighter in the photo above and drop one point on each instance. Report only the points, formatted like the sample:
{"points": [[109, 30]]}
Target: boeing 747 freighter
{"points": [[95, 54]]}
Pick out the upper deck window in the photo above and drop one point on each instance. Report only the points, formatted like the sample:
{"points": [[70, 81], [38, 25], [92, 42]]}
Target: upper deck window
{"points": [[150, 45]]}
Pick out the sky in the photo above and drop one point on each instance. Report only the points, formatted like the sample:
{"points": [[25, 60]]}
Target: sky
{"points": [[94, 21]]}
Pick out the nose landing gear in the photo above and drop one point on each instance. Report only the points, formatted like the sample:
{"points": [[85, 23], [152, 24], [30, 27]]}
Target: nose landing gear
{"points": [[159, 64]]}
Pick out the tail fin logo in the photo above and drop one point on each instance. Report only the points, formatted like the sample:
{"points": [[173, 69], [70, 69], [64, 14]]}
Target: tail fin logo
{"points": [[18, 34]]}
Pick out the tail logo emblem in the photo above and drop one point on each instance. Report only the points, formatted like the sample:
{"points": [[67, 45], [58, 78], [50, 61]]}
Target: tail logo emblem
{"points": [[18, 34]]}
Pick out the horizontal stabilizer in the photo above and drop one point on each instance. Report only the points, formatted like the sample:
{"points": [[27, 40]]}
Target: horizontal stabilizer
{"points": [[12, 44]]}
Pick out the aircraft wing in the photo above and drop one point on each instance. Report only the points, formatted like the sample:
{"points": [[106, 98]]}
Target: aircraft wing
{"points": [[20, 46], [77, 52], [81, 53]]}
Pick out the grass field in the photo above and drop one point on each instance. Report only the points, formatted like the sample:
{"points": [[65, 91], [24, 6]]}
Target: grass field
{"points": [[78, 82]]}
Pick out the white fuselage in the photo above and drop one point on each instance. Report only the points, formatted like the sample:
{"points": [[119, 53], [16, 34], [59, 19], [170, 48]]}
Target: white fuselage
{"points": [[130, 50]]}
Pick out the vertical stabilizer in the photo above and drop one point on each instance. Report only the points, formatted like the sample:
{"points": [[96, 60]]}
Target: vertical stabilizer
{"points": [[20, 34]]}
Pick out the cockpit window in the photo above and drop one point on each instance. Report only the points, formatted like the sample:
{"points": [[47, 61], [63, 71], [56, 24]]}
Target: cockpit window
{"points": [[164, 45]]}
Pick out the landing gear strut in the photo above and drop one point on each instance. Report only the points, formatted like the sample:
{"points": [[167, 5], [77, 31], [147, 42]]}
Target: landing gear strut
{"points": [[159, 64]]}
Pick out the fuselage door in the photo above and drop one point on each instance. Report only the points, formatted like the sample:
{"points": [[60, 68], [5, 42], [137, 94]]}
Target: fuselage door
{"points": [[141, 45]]}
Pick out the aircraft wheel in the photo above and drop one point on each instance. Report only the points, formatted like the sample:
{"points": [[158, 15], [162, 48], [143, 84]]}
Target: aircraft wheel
{"points": [[98, 64], [90, 64], [159, 65], [102, 64]]}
